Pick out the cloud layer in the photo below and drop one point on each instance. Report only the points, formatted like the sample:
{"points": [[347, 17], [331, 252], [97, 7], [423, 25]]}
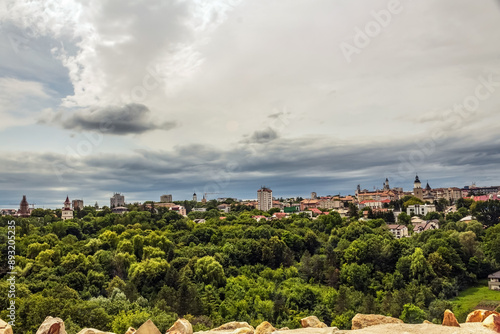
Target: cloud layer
{"points": [[128, 119], [233, 94]]}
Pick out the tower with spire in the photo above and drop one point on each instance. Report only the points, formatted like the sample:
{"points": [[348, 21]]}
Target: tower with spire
{"points": [[428, 187], [195, 198], [417, 189], [24, 209], [67, 211]]}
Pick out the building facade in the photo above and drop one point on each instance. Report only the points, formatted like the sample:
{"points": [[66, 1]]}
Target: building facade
{"points": [[77, 204], [117, 200], [494, 281], [398, 231], [67, 211], [264, 199], [418, 192], [166, 198], [24, 208], [419, 209]]}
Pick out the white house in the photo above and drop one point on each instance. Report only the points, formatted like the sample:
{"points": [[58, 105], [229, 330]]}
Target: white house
{"points": [[419, 209], [399, 231]]}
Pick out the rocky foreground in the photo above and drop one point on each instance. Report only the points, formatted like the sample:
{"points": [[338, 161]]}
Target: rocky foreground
{"points": [[479, 321]]}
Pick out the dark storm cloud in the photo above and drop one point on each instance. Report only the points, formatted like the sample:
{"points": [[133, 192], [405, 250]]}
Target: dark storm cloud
{"points": [[128, 119], [262, 136], [288, 166]]}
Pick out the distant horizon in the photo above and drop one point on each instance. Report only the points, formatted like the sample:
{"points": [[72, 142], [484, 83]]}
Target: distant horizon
{"points": [[176, 197]]}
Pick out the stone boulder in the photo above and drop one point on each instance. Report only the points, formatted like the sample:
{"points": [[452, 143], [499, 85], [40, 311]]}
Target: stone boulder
{"points": [[492, 322], [92, 331], [366, 320], [479, 315], [181, 326], [244, 330], [5, 328], [147, 328], [264, 328], [233, 325], [130, 330], [313, 322], [449, 319], [51, 326]]}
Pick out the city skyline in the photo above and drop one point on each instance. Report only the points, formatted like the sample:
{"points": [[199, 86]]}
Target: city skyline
{"points": [[149, 97], [90, 201]]}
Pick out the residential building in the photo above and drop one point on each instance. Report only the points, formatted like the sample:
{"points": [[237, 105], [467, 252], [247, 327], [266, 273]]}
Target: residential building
{"points": [[468, 219], [343, 212], [316, 212], [420, 209], [377, 196], [166, 198], [425, 226], [180, 209], [265, 199], [162, 205], [199, 209], [67, 211], [450, 194], [119, 210], [223, 199], [226, 208], [280, 215], [478, 191], [485, 198], [308, 204], [373, 204], [330, 203], [77, 204], [259, 217], [117, 200], [8, 212], [494, 281], [398, 231]]}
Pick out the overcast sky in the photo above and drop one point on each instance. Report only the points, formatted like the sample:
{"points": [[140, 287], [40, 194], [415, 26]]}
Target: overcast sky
{"points": [[155, 97]]}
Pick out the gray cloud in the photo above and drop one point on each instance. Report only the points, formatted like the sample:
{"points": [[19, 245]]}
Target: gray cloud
{"points": [[214, 63], [262, 136], [289, 167], [128, 119]]}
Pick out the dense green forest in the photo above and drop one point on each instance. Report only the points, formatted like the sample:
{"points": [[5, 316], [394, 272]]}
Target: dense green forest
{"points": [[110, 271]]}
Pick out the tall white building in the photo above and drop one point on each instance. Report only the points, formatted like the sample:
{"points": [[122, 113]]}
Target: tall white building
{"points": [[420, 209], [67, 211], [265, 199], [117, 200]]}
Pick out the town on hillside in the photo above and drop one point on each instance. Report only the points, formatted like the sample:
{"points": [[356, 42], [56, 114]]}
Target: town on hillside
{"points": [[395, 205]]}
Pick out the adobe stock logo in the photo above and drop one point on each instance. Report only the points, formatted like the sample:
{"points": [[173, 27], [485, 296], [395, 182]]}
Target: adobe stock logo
{"points": [[363, 37]]}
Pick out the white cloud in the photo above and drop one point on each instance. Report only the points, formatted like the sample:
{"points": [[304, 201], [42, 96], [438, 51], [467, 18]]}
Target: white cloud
{"points": [[17, 97], [218, 68]]}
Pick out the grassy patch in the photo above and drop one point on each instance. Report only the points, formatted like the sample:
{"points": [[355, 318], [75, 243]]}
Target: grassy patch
{"points": [[468, 299]]}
